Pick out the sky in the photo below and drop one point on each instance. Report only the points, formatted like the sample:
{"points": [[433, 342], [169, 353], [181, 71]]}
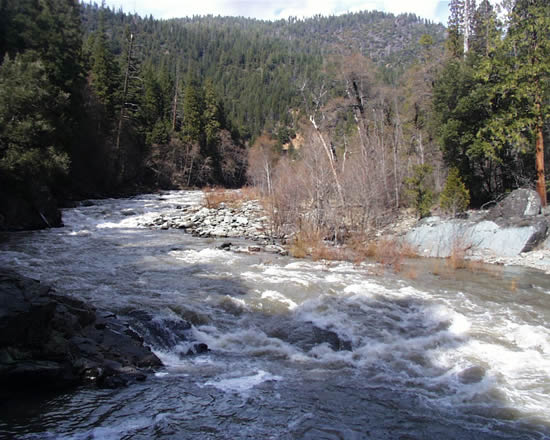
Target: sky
{"points": [[435, 10]]}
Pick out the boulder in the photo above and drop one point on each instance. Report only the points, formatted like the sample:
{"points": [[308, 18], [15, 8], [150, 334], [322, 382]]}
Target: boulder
{"points": [[48, 340], [522, 202]]}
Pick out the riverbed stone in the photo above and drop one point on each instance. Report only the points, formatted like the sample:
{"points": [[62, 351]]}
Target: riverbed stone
{"points": [[247, 221]]}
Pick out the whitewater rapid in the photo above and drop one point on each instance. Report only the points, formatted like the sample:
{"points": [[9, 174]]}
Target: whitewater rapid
{"points": [[298, 348]]}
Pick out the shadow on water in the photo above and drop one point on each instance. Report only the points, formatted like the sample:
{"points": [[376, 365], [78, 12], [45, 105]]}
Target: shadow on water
{"points": [[365, 366]]}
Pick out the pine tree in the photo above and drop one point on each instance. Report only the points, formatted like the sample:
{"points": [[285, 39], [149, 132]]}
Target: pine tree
{"points": [[517, 76], [419, 189], [455, 197], [29, 107], [454, 28], [193, 107], [486, 32], [468, 20], [211, 115], [104, 70]]}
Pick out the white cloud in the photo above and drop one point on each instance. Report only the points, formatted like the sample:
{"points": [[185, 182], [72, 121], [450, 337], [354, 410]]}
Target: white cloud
{"points": [[268, 9]]}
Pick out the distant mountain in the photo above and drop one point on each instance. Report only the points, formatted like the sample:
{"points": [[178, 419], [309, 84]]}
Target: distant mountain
{"points": [[257, 66]]}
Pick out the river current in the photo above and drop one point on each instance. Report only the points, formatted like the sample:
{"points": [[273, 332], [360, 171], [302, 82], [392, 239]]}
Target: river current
{"points": [[299, 349]]}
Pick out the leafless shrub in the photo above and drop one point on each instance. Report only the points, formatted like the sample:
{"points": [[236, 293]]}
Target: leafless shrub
{"points": [[215, 196]]}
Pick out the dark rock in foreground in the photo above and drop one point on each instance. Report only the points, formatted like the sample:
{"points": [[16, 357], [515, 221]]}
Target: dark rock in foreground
{"points": [[50, 341]]}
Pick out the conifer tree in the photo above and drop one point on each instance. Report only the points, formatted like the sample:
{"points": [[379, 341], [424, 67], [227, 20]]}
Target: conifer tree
{"points": [[518, 75], [455, 197], [192, 126], [454, 28], [28, 139], [104, 70], [212, 115], [486, 33], [419, 189]]}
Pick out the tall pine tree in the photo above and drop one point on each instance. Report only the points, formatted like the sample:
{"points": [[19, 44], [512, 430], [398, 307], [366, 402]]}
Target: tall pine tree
{"points": [[518, 75]]}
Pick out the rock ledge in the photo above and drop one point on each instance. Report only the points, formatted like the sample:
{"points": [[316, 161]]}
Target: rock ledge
{"points": [[51, 341]]}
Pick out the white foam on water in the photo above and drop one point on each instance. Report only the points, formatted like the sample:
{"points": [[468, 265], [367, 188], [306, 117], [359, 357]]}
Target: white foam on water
{"points": [[81, 233], [278, 275], [242, 384], [334, 278], [273, 295], [530, 337], [249, 342], [125, 223], [364, 288], [206, 256]]}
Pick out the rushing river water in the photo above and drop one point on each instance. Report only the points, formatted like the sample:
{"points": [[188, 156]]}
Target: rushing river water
{"points": [[299, 349]]}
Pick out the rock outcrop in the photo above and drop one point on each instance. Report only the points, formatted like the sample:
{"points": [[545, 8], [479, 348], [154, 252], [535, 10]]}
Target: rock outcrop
{"points": [[508, 229], [48, 340]]}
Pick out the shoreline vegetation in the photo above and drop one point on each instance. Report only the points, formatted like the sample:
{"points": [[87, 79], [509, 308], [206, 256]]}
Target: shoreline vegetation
{"points": [[387, 245]]}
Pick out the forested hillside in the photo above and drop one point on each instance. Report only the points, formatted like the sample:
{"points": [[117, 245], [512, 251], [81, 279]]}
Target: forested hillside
{"points": [[363, 113]]}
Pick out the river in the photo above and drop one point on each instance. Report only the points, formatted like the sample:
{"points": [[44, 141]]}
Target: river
{"points": [[299, 349]]}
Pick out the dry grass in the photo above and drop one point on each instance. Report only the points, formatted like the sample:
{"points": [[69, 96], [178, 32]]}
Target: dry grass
{"points": [[411, 274], [361, 247], [457, 259], [329, 253], [250, 193], [215, 196], [309, 241]]}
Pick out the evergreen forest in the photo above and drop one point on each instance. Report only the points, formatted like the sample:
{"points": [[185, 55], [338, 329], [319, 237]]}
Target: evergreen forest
{"points": [[364, 113]]}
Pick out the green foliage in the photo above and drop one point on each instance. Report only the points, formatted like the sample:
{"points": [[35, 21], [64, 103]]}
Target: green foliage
{"points": [[29, 108], [489, 107], [193, 107], [212, 116], [455, 38], [455, 197], [105, 74], [517, 74], [256, 67], [419, 189], [460, 110], [160, 133]]}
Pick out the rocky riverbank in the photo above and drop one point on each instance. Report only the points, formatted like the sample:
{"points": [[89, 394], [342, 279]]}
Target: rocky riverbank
{"points": [[50, 341], [244, 220]]}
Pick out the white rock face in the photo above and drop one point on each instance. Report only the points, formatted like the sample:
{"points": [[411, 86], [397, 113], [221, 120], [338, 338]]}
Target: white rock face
{"points": [[434, 237]]}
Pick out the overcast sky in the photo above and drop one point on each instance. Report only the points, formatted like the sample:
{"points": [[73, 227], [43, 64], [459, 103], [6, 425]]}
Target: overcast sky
{"points": [[436, 10]]}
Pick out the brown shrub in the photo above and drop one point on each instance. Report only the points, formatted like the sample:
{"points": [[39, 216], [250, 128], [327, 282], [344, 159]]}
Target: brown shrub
{"points": [[215, 196], [330, 253], [308, 241], [457, 259]]}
